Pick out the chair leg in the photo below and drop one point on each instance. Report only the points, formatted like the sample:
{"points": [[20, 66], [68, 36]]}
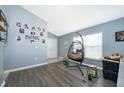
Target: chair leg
{"points": [[71, 66], [79, 69]]}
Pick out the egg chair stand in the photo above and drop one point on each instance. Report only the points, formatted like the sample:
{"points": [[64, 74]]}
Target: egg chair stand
{"points": [[78, 66], [76, 54]]}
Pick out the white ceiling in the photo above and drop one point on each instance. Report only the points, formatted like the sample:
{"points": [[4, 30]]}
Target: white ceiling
{"points": [[65, 19]]}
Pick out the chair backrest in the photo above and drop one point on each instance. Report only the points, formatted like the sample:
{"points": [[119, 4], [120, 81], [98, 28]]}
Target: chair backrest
{"points": [[76, 51]]}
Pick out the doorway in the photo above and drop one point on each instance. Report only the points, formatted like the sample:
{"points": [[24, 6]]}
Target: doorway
{"points": [[52, 48]]}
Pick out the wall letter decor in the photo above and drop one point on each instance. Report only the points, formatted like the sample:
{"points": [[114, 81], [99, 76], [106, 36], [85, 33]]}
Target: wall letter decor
{"points": [[43, 30], [18, 38], [22, 30], [43, 41], [33, 28], [18, 24], [32, 33], [41, 33], [39, 29], [26, 26]]}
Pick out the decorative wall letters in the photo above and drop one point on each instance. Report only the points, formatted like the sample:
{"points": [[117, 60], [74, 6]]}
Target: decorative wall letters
{"points": [[18, 24], [41, 33], [43, 41], [22, 30], [26, 26], [39, 29], [43, 30], [32, 33], [19, 38]]}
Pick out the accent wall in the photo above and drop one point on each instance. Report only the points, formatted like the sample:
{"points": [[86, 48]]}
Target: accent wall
{"points": [[31, 49]]}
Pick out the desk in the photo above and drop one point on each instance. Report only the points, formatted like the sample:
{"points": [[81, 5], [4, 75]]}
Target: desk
{"points": [[110, 69]]}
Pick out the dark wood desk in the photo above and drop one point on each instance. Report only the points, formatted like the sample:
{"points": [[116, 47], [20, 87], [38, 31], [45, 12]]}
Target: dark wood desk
{"points": [[110, 69]]}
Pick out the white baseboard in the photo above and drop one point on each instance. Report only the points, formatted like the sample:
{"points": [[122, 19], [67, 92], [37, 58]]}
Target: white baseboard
{"points": [[54, 60], [89, 65], [22, 68]]}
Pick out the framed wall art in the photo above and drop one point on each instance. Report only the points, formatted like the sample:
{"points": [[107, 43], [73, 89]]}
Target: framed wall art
{"points": [[119, 36], [22, 30], [43, 30], [43, 41], [18, 38], [41, 33]]}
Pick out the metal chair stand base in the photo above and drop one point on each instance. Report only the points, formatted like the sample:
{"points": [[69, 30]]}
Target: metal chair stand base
{"points": [[78, 66]]}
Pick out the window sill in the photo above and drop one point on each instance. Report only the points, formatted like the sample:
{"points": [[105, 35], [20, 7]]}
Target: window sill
{"points": [[92, 59]]}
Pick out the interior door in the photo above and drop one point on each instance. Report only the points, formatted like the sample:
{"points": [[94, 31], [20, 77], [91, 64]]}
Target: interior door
{"points": [[52, 48]]}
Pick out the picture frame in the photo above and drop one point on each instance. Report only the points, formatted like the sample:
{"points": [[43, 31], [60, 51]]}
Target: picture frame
{"points": [[18, 38], [32, 41], [43, 30], [119, 36], [41, 33], [32, 33], [22, 30], [43, 41]]}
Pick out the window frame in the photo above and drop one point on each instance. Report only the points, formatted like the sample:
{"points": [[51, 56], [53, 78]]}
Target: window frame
{"points": [[85, 45]]}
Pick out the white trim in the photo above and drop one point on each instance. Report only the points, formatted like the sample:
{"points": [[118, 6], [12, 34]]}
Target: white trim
{"points": [[53, 60], [86, 64], [92, 58], [3, 83], [89, 65], [17, 69], [26, 67]]}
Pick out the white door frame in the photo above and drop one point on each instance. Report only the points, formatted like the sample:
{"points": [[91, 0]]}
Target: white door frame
{"points": [[52, 48]]}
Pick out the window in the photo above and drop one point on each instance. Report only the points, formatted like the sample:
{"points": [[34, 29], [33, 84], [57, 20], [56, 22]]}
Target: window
{"points": [[92, 45]]}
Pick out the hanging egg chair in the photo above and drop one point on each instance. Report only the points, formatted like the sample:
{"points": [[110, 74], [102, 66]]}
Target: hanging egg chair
{"points": [[76, 53], [76, 50]]}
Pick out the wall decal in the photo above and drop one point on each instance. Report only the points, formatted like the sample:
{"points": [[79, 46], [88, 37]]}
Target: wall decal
{"points": [[32, 33], [32, 41], [41, 33], [39, 29], [18, 24], [36, 37], [33, 28], [22, 30], [43, 41], [26, 26], [27, 37], [18, 38], [43, 30]]}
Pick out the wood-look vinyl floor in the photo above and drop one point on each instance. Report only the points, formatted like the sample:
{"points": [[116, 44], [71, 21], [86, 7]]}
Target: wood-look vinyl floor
{"points": [[54, 75]]}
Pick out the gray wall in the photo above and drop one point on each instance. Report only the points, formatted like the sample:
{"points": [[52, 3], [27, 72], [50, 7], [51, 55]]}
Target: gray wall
{"points": [[109, 45], [1, 59], [1, 62], [50, 35], [22, 53]]}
